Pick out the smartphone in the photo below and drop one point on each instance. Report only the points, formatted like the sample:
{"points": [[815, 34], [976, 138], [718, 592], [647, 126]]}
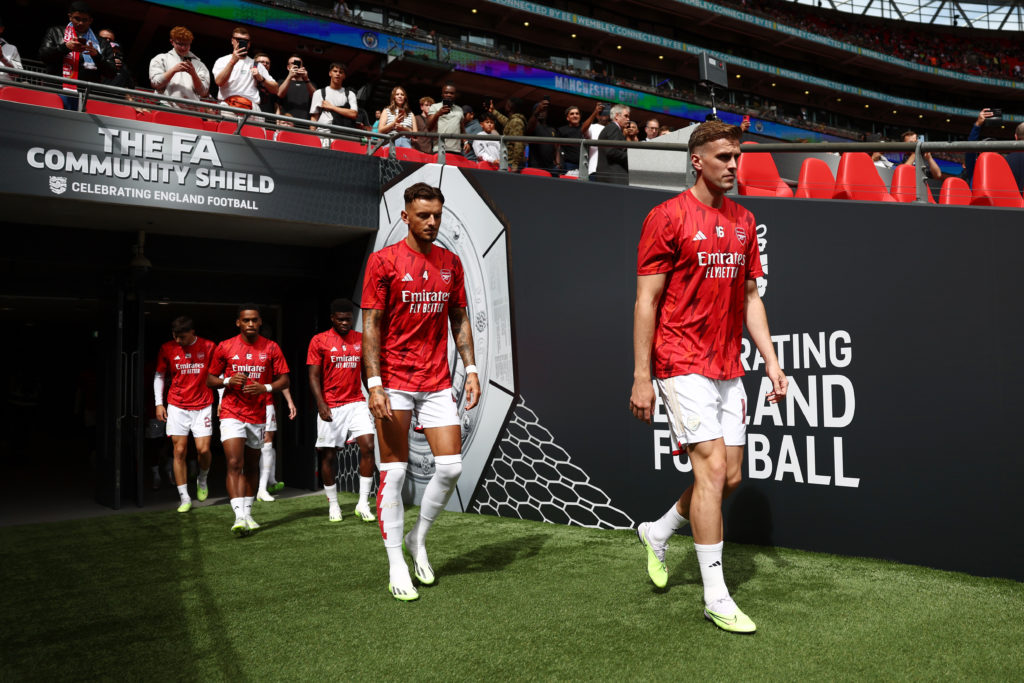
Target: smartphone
{"points": [[243, 43], [298, 63], [997, 114], [746, 119], [447, 103]]}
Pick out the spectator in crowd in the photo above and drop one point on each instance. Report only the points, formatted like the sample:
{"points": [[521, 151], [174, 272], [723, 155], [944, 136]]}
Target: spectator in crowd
{"points": [[652, 129], [123, 78], [472, 127], [1015, 159], [269, 101], [397, 117], [9, 56], [295, 94], [424, 145], [178, 72], [573, 128], [932, 169], [631, 131], [664, 130], [487, 149], [512, 123], [335, 103], [446, 117], [543, 156], [74, 51], [594, 133], [613, 162], [880, 160], [238, 76]]}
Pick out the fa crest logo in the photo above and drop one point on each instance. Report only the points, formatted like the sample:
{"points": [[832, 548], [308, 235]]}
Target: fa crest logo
{"points": [[58, 184], [446, 275]]}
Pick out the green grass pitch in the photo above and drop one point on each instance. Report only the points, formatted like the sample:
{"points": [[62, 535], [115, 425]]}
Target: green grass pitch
{"points": [[160, 596]]}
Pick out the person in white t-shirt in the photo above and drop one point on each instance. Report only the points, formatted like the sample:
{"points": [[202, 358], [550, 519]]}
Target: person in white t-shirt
{"points": [[487, 149], [178, 72], [237, 75], [335, 103], [9, 56], [603, 115]]}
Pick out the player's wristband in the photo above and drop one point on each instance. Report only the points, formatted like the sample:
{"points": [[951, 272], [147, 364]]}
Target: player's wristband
{"points": [[472, 369], [372, 382], [269, 388]]}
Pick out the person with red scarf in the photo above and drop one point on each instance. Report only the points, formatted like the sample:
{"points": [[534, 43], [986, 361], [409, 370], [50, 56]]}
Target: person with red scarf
{"points": [[74, 51]]}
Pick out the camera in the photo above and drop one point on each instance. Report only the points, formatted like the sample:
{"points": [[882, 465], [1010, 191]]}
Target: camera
{"points": [[997, 114]]}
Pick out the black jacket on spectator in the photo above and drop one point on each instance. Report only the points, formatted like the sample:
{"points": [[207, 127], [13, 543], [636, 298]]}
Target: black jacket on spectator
{"points": [[612, 162], [53, 50]]}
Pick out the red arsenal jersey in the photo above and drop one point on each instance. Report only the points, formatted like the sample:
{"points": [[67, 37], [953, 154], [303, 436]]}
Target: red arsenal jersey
{"points": [[414, 291], [261, 361], [708, 255], [340, 360], [185, 367]]}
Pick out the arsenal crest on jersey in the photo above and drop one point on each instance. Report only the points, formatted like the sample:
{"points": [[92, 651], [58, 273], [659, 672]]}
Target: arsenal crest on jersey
{"points": [[263, 356], [446, 274], [741, 234]]}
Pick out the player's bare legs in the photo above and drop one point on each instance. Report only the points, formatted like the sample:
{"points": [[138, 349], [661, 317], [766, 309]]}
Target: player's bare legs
{"points": [[205, 457], [235, 454], [733, 479], [180, 445], [393, 435], [366, 468], [446, 445]]}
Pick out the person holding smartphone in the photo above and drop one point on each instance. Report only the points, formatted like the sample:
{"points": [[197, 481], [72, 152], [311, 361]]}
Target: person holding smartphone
{"points": [[296, 91], [238, 77], [178, 72], [75, 51]]}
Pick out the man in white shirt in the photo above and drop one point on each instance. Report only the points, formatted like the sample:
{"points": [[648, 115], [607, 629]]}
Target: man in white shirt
{"points": [[9, 56], [335, 103], [237, 75], [486, 149], [594, 132], [178, 72]]}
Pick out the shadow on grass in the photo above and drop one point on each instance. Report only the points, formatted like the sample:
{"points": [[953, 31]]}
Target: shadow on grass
{"points": [[496, 556], [299, 515]]}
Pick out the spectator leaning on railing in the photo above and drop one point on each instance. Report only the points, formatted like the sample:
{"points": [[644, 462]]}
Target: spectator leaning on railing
{"points": [[178, 72], [397, 118], [487, 149], [9, 56]]}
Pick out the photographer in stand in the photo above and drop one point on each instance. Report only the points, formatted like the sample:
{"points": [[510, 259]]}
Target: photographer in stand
{"points": [[296, 91], [178, 72]]}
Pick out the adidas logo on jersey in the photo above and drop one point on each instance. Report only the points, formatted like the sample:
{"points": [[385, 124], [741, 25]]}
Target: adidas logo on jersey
{"points": [[236, 357], [699, 236], [334, 348], [177, 358], [407, 278]]}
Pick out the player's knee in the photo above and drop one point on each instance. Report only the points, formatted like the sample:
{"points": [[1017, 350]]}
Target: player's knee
{"points": [[449, 467], [733, 479]]}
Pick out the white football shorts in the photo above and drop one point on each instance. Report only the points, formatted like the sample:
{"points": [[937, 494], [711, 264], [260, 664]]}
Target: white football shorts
{"points": [[271, 418], [433, 408], [180, 421], [231, 428], [348, 422], [702, 409]]}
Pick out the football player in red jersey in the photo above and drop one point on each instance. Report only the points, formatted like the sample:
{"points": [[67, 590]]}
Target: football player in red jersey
{"points": [[252, 366], [412, 290], [697, 263], [189, 403], [334, 363]]}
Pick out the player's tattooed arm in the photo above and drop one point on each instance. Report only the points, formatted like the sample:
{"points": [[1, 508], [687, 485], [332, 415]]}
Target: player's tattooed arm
{"points": [[379, 403], [463, 333]]}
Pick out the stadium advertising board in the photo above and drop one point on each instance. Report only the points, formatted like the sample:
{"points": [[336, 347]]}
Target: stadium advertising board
{"points": [[897, 439], [60, 155]]}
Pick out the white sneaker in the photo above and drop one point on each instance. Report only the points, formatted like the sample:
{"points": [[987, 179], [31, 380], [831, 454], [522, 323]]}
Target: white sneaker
{"points": [[265, 497], [335, 513], [421, 568]]}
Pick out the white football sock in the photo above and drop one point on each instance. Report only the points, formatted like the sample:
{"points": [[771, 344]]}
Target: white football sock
{"points": [[365, 484], [391, 516], [183, 493], [332, 493], [201, 479], [237, 504], [660, 531], [266, 465], [247, 506], [435, 496], [710, 559]]}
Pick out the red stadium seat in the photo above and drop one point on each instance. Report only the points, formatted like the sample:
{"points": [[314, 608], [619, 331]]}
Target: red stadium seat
{"points": [[486, 165], [212, 125], [180, 120], [298, 138], [815, 181], [757, 175], [955, 191], [410, 154], [904, 185], [248, 131], [857, 178], [26, 96], [535, 171], [349, 146], [458, 160], [120, 111], [993, 183]]}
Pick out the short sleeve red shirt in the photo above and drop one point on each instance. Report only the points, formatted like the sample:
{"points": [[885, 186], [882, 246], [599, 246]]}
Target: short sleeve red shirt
{"points": [[186, 369], [261, 361], [340, 360], [708, 255], [414, 291]]}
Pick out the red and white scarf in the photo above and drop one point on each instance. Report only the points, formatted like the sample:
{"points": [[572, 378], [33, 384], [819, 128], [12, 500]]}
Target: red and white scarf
{"points": [[73, 60]]}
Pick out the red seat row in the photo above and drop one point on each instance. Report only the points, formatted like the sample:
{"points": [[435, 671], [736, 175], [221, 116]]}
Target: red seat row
{"points": [[857, 178]]}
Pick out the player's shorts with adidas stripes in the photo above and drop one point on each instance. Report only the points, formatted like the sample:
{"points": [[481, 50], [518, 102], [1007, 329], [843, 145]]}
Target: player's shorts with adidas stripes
{"points": [[348, 422], [702, 409], [180, 421], [433, 408], [271, 422]]}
